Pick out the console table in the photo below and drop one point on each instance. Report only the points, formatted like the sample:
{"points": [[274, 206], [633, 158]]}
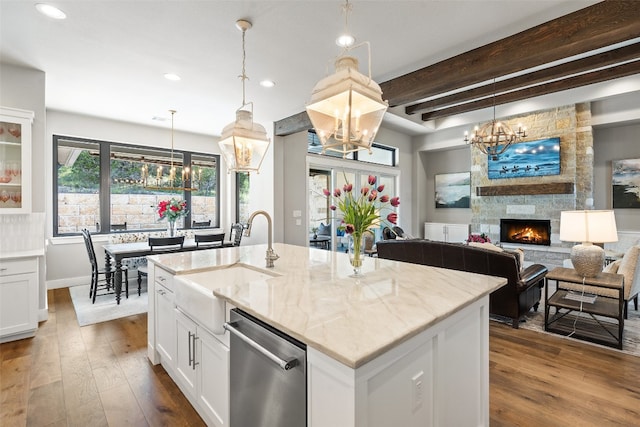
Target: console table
{"points": [[605, 321]]}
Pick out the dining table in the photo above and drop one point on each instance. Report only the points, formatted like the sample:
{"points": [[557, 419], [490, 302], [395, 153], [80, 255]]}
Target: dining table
{"points": [[116, 252]]}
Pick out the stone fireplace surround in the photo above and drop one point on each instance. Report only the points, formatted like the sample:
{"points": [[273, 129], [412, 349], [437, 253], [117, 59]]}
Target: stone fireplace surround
{"points": [[572, 124]]}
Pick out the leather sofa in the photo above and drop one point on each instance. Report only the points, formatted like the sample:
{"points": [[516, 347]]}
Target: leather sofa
{"points": [[521, 293]]}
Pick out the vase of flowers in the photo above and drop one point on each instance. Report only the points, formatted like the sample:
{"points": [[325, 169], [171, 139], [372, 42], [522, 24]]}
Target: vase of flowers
{"points": [[360, 213], [172, 210]]}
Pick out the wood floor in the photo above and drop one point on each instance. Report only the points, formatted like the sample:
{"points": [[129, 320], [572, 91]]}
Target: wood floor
{"points": [[99, 375]]}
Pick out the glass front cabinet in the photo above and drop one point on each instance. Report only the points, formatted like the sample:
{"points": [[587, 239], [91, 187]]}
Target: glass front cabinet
{"points": [[15, 160]]}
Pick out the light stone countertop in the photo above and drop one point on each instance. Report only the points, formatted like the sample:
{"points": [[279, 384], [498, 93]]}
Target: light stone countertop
{"points": [[314, 299]]}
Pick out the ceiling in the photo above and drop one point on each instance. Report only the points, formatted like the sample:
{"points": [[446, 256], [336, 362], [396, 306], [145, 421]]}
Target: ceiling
{"points": [[108, 57]]}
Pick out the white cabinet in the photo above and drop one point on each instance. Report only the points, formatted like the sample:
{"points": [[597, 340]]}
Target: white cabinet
{"points": [[202, 370], [18, 298], [15, 160], [442, 232]]}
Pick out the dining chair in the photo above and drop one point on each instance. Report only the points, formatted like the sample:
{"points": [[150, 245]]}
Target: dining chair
{"points": [[235, 236], [107, 282], [211, 239], [201, 224], [159, 244]]}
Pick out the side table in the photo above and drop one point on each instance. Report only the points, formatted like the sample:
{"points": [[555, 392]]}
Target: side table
{"points": [[605, 321]]}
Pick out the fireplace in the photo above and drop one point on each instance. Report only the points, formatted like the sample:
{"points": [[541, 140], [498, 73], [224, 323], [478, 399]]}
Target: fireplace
{"points": [[526, 231]]}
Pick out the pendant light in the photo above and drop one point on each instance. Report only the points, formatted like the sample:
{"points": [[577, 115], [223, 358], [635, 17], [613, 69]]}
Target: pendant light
{"points": [[244, 143], [168, 183], [494, 137], [346, 108]]}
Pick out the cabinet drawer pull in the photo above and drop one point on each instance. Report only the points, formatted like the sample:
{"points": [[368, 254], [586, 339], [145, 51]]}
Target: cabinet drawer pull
{"points": [[3, 269]]}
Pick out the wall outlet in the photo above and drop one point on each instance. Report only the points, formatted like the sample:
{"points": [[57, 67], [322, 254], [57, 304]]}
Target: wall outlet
{"points": [[298, 222], [297, 214], [417, 391]]}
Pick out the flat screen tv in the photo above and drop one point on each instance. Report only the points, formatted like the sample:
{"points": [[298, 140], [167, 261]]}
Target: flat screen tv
{"points": [[530, 158]]}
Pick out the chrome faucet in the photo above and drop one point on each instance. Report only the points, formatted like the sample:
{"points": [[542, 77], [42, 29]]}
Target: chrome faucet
{"points": [[271, 255]]}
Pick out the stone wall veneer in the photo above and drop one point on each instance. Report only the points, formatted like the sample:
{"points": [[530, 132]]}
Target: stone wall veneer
{"points": [[572, 124]]}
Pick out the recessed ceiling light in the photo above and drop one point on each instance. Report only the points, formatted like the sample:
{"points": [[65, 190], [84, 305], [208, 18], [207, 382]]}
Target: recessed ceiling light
{"points": [[172, 77], [267, 83], [50, 11]]}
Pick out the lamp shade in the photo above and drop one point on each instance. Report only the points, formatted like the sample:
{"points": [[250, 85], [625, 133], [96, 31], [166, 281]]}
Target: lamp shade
{"points": [[588, 226], [346, 109], [244, 143]]}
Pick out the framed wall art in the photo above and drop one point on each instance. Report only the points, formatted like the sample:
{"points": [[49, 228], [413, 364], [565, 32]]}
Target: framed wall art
{"points": [[530, 158], [453, 190], [626, 183]]}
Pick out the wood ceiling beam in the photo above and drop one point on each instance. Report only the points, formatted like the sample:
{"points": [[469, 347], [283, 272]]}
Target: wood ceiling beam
{"points": [[604, 59], [292, 124], [594, 27], [611, 73]]}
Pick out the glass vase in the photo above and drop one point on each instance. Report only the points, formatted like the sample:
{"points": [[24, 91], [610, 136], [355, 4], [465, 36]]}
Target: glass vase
{"points": [[356, 245], [171, 228]]}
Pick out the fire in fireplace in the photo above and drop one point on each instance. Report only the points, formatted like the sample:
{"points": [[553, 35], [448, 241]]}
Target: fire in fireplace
{"points": [[526, 231]]}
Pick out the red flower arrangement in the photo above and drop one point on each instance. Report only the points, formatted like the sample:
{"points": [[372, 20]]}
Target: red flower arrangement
{"points": [[172, 209]]}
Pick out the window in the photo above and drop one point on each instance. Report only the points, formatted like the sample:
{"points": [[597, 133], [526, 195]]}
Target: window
{"points": [[242, 197], [106, 186], [380, 154]]}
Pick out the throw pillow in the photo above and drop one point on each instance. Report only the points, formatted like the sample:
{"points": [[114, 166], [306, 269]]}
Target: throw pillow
{"points": [[612, 267], [628, 267]]}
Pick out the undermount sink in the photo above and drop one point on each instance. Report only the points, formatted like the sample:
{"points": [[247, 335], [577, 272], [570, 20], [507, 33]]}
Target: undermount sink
{"points": [[194, 292]]}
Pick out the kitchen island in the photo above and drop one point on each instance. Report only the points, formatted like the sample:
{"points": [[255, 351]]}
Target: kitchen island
{"points": [[403, 344]]}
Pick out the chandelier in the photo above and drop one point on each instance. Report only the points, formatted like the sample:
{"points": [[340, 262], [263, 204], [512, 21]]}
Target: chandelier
{"points": [[494, 137], [243, 143], [346, 108], [169, 182]]}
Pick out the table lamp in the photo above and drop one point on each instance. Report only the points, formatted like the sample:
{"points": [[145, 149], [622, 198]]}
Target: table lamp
{"points": [[588, 227]]}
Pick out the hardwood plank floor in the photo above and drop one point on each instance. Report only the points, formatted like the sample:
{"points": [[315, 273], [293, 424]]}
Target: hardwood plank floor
{"points": [[99, 375]]}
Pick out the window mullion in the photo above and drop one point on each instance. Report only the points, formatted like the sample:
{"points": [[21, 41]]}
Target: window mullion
{"points": [[105, 188]]}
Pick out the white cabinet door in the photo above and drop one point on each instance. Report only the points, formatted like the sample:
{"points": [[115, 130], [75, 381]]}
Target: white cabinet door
{"points": [[18, 299], [165, 326], [213, 386], [185, 367], [457, 233], [434, 231]]}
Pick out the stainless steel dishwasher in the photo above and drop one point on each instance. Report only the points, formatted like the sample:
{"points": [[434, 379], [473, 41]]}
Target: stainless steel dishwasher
{"points": [[268, 375]]}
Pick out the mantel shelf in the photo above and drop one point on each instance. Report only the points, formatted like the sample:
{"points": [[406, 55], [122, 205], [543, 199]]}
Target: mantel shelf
{"points": [[526, 189]]}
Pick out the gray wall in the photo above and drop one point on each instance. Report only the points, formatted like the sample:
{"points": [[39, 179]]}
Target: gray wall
{"points": [[614, 143], [439, 162], [24, 88]]}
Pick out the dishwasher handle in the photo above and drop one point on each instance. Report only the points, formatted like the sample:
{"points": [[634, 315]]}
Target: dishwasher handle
{"points": [[285, 364]]}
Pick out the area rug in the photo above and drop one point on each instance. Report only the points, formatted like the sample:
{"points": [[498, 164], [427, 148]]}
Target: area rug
{"points": [[105, 307], [534, 321]]}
